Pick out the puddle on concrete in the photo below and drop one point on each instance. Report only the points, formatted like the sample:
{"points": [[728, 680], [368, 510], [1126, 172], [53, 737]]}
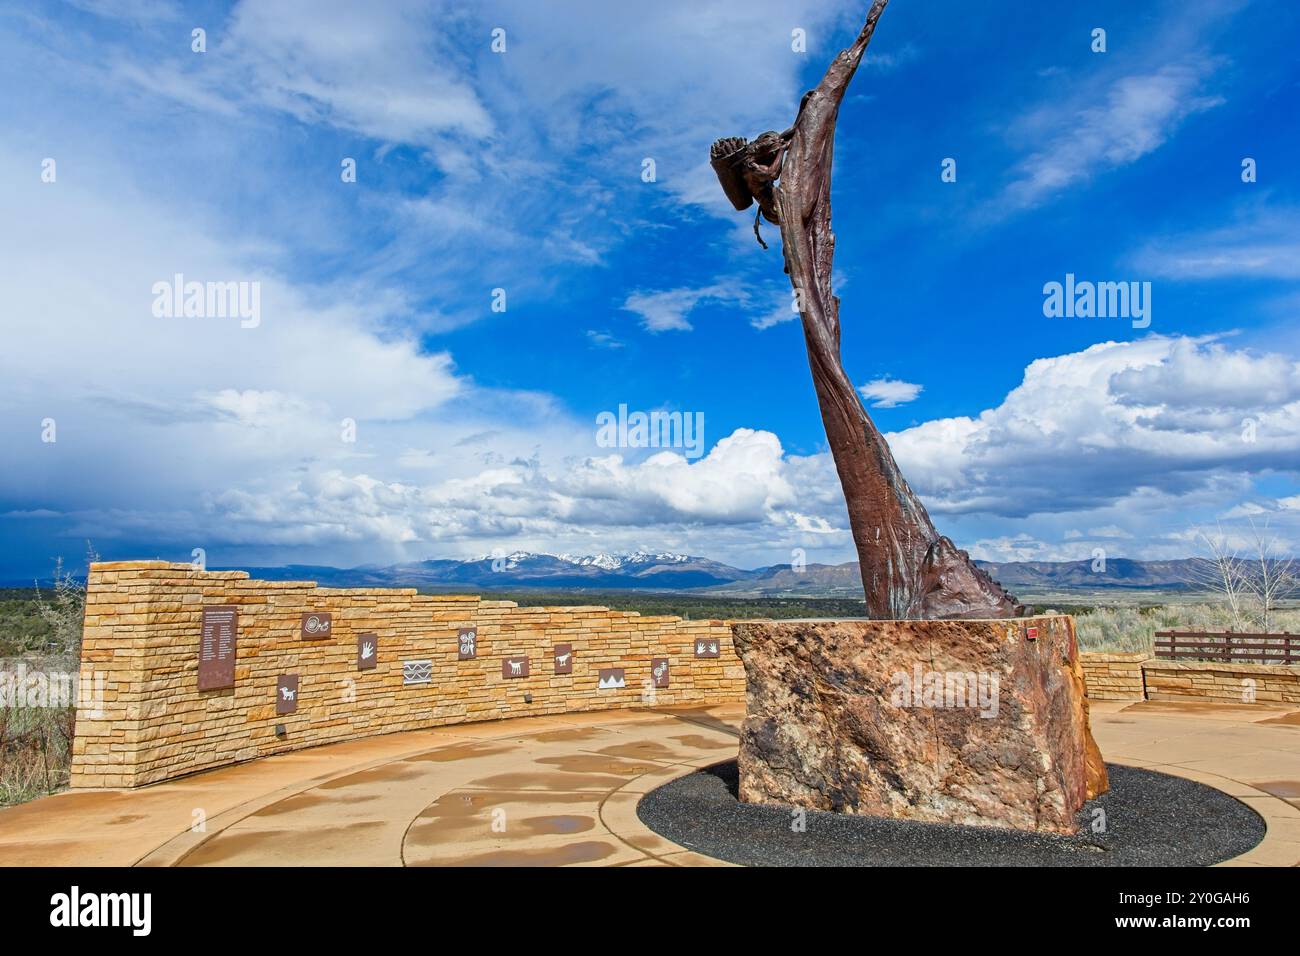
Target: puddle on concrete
{"points": [[1225, 709], [645, 749], [460, 752], [434, 829], [226, 847], [703, 718], [1286, 720], [126, 818], [588, 763], [312, 798], [388, 773], [1286, 789], [459, 810], [468, 803], [559, 823], [559, 782], [563, 736], [701, 742], [587, 851], [442, 829], [229, 847], [458, 804], [452, 812], [73, 802]]}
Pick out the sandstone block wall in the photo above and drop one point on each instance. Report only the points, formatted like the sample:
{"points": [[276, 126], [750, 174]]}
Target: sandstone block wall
{"points": [[143, 624], [1114, 676], [1226, 683], [143, 621]]}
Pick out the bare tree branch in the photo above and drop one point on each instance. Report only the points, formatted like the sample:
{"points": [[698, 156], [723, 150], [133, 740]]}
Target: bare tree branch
{"points": [[1222, 573], [1272, 579]]}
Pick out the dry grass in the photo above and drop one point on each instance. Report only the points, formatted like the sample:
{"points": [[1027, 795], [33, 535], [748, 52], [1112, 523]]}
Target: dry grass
{"points": [[36, 735], [35, 746]]}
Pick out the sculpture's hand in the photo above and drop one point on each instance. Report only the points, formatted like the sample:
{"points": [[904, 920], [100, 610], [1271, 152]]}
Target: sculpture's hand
{"points": [[756, 173]]}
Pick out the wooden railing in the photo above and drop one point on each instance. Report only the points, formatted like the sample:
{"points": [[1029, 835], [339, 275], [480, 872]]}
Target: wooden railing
{"points": [[1230, 646]]}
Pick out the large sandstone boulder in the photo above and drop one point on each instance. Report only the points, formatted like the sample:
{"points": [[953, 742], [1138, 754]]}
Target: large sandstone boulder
{"points": [[971, 722]]}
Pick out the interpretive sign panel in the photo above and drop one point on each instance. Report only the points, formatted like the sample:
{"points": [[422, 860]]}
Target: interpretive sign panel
{"points": [[217, 647]]}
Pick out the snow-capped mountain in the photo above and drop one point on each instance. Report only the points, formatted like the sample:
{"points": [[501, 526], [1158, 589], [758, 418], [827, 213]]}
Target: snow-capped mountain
{"points": [[662, 570], [612, 562], [667, 571], [606, 562], [658, 570]]}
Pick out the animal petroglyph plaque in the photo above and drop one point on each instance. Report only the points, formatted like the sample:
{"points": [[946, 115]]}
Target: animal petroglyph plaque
{"points": [[286, 694], [564, 658], [512, 667]]}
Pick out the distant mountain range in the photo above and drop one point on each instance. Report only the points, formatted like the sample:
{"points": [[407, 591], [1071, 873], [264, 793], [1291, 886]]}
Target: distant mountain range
{"points": [[646, 571], [1118, 573]]}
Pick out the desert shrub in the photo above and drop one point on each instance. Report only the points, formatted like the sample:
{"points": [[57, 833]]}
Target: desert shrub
{"points": [[1123, 629], [63, 609], [36, 736], [35, 741], [1114, 629]]}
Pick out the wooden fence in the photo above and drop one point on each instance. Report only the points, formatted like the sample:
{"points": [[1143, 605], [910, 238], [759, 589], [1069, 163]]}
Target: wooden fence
{"points": [[1229, 646]]}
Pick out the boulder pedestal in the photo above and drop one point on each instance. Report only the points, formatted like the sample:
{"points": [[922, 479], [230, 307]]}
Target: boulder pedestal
{"points": [[969, 722]]}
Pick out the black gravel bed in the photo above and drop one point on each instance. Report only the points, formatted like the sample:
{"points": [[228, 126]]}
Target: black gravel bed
{"points": [[1151, 819]]}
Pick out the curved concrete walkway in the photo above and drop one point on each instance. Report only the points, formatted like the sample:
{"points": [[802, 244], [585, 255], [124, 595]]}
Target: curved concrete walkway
{"points": [[552, 790]]}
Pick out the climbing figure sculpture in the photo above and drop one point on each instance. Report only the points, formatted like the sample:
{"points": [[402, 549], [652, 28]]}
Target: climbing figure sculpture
{"points": [[908, 569]]}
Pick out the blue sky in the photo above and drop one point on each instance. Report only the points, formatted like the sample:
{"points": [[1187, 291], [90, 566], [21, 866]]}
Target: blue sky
{"points": [[1028, 437]]}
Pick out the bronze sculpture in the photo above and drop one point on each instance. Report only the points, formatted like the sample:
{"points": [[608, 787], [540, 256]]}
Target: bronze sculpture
{"points": [[908, 569], [749, 171]]}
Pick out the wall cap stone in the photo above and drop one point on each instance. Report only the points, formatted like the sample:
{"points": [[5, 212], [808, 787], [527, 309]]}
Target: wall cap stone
{"points": [[1222, 667]]}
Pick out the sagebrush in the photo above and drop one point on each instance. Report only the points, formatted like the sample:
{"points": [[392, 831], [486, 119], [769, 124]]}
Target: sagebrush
{"points": [[1122, 629]]}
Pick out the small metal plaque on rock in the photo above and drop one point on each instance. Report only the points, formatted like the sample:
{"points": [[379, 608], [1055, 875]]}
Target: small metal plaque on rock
{"points": [[564, 658], [659, 670], [467, 644], [512, 667]]}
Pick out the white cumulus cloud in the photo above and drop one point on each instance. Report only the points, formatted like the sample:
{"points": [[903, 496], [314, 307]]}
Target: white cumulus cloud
{"points": [[889, 392]]}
